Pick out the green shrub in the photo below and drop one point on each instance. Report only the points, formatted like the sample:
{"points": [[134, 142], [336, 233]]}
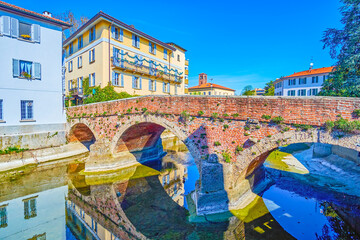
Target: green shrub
{"points": [[144, 109], [246, 128], [343, 125], [200, 113], [214, 115], [225, 126], [258, 127], [185, 115], [267, 117], [238, 149], [253, 153], [204, 147], [225, 115], [277, 119], [221, 119], [329, 125], [286, 129], [227, 156], [10, 150], [235, 115], [303, 126], [216, 144], [246, 134], [357, 112]]}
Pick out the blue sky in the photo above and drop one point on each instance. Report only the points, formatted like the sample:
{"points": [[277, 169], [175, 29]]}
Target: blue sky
{"points": [[236, 42]]}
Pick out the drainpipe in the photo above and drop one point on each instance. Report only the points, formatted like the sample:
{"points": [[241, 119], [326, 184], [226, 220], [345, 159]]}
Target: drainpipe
{"points": [[169, 73], [112, 23]]}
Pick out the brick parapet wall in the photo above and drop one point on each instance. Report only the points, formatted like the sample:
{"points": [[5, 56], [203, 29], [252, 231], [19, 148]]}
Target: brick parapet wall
{"points": [[306, 110]]}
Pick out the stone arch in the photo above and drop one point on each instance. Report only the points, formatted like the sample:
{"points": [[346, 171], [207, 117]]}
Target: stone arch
{"points": [[81, 132], [158, 123]]}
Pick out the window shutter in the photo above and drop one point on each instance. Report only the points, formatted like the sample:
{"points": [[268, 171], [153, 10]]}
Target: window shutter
{"points": [[122, 80], [121, 34], [140, 83], [154, 48], [113, 78], [112, 31], [5, 25], [133, 40], [89, 80], [138, 42], [69, 85], [16, 68], [164, 84], [149, 47], [155, 85], [150, 85], [14, 27], [35, 32], [37, 72], [133, 82], [93, 79]]}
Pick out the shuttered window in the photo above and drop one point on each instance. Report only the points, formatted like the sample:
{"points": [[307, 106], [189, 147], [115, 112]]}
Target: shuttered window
{"points": [[80, 62], [165, 54], [92, 55], [26, 69], [92, 80], [26, 110], [13, 28], [92, 34], [80, 42], [136, 41]]}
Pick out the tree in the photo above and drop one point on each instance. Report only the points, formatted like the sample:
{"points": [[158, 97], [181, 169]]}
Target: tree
{"points": [[344, 45], [248, 91], [269, 89], [70, 18]]}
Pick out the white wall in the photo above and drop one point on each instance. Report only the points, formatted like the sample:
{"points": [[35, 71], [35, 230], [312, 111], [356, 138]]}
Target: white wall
{"points": [[47, 92]]}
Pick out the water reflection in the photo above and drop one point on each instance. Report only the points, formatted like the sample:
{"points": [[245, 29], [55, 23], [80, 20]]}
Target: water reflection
{"points": [[153, 200]]}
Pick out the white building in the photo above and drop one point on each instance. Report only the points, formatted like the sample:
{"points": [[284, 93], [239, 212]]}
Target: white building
{"points": [[31, 105], [305, 83]]}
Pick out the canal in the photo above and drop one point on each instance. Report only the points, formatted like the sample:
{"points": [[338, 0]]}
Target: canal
{"points": [[297, 195]]}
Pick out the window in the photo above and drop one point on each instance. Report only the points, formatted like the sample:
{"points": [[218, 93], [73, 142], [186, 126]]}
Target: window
{"points": [[152, 85], [302, 81], [209, 93], [26, 110], [3, 217], [302, 92], [292, 82], [152, 48], [325, 77], [314, 92], [92, 34], [92, 80], [204, 93], [80, 42], [117, 33], [291, 93], [136, 82], [92, 55], [165, 54], [118, 79], [164, 180], [70, 85], [70, 66], [80, 62], [71, 49], [136, 41], [26, 69], [1, 109], [315, 79], [93, 225], [30, 210], [178, 58], [80, 84], [164, 87], [25, 31]]}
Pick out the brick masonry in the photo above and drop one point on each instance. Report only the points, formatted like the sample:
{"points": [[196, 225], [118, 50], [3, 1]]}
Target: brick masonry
{"points": [[120, 125]]}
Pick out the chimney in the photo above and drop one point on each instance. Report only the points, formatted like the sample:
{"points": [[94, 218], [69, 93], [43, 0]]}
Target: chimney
{"points": [[202, 78], [48, 14], [132, 26]]}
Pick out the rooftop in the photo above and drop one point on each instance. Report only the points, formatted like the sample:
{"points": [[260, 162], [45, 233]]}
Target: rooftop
{"points": [[18, 10], [311, 72], [119, 23], [209, 86]]}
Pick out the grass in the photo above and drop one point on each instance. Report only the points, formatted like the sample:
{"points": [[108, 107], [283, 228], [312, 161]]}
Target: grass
{"points": [[277, 119], [343, 125], [10, 150], [266, 117]]}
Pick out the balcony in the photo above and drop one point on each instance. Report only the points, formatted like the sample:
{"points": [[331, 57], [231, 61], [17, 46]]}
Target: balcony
{"points": [[76, 91], [186, 62], [144, 70], [186, 71], [186, 81]]}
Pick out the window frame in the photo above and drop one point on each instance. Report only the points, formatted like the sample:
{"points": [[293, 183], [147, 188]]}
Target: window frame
{"points": [[80, 42], [26, 112], [92, 34]]}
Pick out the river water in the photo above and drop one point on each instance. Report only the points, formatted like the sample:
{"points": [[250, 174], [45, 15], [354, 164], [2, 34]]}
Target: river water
{"points": [[305, 198]]}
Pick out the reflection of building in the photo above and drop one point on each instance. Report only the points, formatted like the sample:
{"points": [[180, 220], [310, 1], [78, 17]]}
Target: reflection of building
{"points": [[205, 88], [305, 83], [171, 178], [42, 214], [84, 226], [30, 88]]}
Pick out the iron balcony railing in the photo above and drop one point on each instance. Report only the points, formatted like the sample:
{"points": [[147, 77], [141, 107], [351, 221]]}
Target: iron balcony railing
{"points": [[144, 70], [76, 91]]}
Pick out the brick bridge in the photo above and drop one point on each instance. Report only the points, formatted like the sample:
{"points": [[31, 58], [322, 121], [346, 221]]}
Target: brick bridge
{"points": [[227, 136]]}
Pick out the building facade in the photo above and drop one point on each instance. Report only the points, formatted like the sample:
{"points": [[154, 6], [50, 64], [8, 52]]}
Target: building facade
{"points": [[31, 105], [305, 83], [110, 52], [205, 88], [259, 91]]}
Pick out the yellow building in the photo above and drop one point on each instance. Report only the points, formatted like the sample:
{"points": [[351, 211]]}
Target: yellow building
{"points": [[110, 52], [205, 88]]}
